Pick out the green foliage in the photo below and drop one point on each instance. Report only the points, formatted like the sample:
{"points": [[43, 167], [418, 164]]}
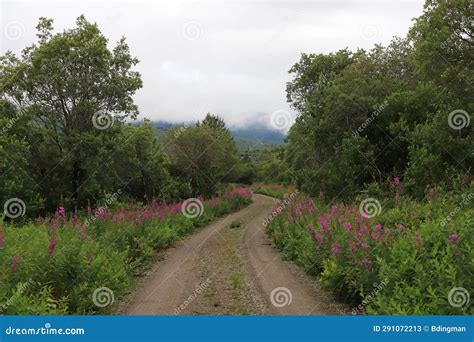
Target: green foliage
{"points": [[202, 156], [366, 116], [276, 191], [269, 166], [405, 261], [62, 89], [56, 265], [63, 107]]}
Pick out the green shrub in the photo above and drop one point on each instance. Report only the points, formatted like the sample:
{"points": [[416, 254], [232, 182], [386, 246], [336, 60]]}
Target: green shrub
{"points": [[406, 260], [64, 261]]}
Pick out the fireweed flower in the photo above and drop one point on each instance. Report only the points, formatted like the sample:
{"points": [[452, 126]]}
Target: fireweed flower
{"points": [[357, 236], [336, 248], [122, 214], [379, 228], [396, 181], [310, 229], [299, 209], [453, 238], [352, 247], [52, 244], [54, 223], [398, 185], [431, 193], [61, 212], [367, 263], [357, 221], [374, 236], [318, 238], [418, 240], [347, 225], [324, 224], [364, 230], [321, 194]]}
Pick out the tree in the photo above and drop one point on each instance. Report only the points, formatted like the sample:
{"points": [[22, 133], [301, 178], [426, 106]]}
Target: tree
{"points": [[367, 116], [72, 87], [15, 181], [203, 156]]}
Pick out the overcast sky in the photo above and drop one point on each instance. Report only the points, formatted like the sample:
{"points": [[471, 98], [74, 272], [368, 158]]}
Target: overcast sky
{"points": [[226, 57]]}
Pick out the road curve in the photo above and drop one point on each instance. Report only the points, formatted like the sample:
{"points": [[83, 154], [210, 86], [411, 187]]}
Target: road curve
{"points": [[221, 270]]}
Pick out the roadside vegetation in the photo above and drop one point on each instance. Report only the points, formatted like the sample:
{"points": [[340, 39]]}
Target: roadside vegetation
{"points": [[375, 171], [399, 256], [57, 264], [382, 151]]}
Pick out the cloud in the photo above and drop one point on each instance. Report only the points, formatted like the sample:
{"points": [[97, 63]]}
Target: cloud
{"points": [[226, 57]]}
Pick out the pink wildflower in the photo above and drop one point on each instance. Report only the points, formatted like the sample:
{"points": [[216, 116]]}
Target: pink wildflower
{"points": [[52, 244], [396, 181], [431, 193], [347, 225], [299, 209], [453, 238], [324, 224], [364, 230], [379, 228], [243, 192], [336, 248], [352, 246], [367, 263], [61, 212], [122, 214], [418, 240]]}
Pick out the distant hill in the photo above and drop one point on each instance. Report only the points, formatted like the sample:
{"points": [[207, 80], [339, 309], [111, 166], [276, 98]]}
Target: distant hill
{"points": [[262, 134], [251, 137]]}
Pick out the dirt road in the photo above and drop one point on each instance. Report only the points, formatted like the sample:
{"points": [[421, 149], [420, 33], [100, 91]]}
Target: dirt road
{"points": [[224, 270]]}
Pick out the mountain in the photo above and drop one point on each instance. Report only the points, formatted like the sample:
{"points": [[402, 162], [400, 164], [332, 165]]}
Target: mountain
{"points": [[244, 136], [262, 134]]}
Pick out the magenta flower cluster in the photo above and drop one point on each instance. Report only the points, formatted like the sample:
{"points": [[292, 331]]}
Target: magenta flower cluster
{"points": [[131, 213]]}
